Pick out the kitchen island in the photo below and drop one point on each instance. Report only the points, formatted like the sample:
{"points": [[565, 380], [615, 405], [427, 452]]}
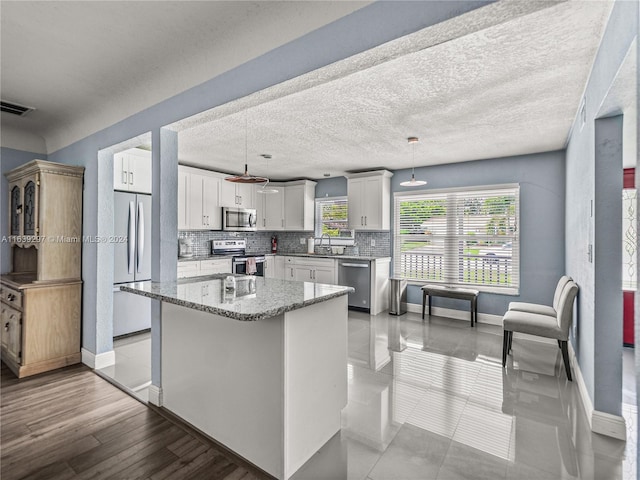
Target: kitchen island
{"points": [[261, 368]]}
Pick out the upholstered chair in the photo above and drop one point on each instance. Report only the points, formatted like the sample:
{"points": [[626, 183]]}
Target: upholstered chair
{"points": [[543, 325]]}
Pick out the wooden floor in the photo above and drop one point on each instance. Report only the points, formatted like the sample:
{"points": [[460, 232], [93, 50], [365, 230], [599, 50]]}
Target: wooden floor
{"points": [[73, 424]]}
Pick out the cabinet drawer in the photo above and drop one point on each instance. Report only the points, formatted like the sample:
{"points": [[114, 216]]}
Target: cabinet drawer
{"points": [[215, 266], [315, 262], [188, 269], [11, 297]]}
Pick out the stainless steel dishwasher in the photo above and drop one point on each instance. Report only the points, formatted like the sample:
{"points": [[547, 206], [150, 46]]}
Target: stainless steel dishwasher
{"points": [[356, 274]]}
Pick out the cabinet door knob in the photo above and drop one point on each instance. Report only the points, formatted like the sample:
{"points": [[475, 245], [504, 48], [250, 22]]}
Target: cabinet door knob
{"points": [[124, 177], [6, 327], [130, 178]]}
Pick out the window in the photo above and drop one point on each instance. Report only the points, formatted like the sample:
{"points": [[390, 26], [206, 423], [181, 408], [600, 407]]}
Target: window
{"points": [[331, 218], [459, 237], [629, 254]]}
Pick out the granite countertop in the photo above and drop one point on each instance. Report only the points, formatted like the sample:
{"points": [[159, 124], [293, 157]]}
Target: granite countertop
{"points": [[323, 255], [254, 298], [203, 257], [316, 255]]}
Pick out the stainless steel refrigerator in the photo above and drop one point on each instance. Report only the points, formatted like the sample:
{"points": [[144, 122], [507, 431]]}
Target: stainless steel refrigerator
{"points": [[132, 260]]}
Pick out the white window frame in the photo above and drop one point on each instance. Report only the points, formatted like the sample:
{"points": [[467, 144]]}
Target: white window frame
{"points": [[318, 222], [449, 256]]}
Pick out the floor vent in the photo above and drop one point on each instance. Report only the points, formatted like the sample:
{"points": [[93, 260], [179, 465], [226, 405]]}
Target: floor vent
{"points": [[14, 108]]}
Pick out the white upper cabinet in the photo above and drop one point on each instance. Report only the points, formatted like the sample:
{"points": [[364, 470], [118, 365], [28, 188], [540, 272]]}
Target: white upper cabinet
{"points": [[132, 171], [240, 195], [198, 199], [272, 209], [369, 196], [299, 205], [291, 208], [183, 204]]}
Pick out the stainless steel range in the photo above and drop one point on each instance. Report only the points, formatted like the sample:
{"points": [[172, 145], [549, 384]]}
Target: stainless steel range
{"points": [[241, 262]]}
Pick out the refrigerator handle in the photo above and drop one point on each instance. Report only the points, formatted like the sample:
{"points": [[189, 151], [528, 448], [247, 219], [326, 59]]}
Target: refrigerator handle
{"points": [[131, 236], [140, 230]]}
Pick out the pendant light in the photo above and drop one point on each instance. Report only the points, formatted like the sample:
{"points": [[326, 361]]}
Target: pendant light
{"points": [[245, 177], [413, 182], [264, 188]]}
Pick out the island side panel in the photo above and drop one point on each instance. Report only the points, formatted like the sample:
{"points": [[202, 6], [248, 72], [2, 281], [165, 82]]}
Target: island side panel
{"points": [[224, 377], [315, 342]]}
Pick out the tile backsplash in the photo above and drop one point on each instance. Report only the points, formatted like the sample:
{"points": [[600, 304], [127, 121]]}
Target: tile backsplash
{"points": [[288, 242]]}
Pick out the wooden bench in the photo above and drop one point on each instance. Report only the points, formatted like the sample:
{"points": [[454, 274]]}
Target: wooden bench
{"points": [[451, 292]]}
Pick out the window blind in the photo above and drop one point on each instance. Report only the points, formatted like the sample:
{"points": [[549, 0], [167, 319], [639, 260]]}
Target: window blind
{"points": [[459, 237]]}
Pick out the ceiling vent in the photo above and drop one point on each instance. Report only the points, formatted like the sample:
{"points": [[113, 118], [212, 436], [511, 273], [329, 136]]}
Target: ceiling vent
{"points": [[14, 108]]}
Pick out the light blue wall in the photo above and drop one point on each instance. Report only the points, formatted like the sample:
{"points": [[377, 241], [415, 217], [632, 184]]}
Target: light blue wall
{"points": [[364, 29], [542, 237], [607, 262], [10, 159], [542, 183], [580, 227], [331, 187]]}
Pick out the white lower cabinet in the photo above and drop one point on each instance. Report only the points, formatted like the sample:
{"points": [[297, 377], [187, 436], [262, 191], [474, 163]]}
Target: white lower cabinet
{"points": [[196, 268], [303, 273], [316, 270], [278, 263], [288, 268], [188, 269], [211, 267], [270, 266]]}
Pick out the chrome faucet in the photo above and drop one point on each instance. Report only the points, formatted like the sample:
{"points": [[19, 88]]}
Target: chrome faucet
{"points": [[329, 237]]}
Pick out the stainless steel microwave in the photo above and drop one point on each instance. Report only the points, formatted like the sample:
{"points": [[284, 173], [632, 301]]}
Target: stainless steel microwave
{"points": [[239, 219]]}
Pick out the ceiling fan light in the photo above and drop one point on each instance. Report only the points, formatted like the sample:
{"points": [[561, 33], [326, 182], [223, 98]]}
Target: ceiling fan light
{"points": [[246, 178]]}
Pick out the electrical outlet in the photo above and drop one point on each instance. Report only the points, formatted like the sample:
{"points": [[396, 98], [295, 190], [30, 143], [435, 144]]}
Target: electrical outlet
{"points": [[301, 240], [373, 242]]}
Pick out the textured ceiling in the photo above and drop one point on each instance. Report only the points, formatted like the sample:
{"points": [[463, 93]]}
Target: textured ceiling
{"points": [[481, 91], [85, 65], [622, 99]]}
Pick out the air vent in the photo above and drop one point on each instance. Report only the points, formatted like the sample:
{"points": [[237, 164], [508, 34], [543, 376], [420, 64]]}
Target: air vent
{"points": [[14, 108]]}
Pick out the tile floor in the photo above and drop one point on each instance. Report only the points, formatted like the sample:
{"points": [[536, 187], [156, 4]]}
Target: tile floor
{"points": [[432, 401], [132, 369]]}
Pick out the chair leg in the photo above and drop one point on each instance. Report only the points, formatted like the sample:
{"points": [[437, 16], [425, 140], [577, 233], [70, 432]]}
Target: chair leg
{"points": [[424, 301], [505, 346], [559, 343], [565, 357], [510, 342]]}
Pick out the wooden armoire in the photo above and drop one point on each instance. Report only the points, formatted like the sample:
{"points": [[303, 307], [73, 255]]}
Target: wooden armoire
{"points": [[41, 298]]}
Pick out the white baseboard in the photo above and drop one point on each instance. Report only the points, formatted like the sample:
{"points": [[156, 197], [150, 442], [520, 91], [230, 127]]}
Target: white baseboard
{"points": [[155, 395], [457, 314], [101, 360], [609, 425], [599, 422]]}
